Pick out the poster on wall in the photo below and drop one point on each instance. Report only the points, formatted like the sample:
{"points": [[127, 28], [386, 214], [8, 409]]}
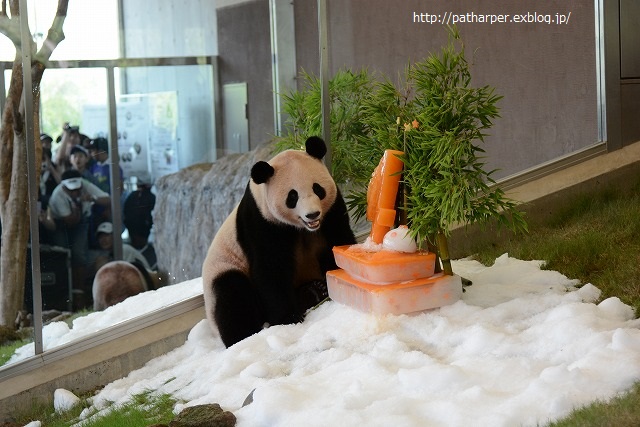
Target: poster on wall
{"points": [[147, 132], [133, 134], [163, 128]]}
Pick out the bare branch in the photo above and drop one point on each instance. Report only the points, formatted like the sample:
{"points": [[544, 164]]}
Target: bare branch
{"points": [[55, 34], [10, 27], [54, 37], [14, 7], [63, 6]]}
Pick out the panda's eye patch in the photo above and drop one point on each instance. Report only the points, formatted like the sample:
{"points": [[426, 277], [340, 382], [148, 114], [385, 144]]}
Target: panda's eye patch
{"points": [[319, 190], [292, 199]]}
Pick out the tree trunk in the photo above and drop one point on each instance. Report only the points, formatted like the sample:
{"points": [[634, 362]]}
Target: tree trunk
{"points": [[14, 197]]}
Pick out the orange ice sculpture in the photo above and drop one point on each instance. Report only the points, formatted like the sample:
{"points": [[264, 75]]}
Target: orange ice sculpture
{"points": [[382, 193], [387, 281]]}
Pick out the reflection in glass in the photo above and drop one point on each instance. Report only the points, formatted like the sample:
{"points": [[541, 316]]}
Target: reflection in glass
{"points": [[158, 112]]}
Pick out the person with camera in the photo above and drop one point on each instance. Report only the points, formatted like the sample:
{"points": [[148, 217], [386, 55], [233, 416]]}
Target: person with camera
{"points": [[70, 138], [70, 207]]}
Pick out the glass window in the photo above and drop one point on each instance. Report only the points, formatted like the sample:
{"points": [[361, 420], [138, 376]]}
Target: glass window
{"points": [[144, 85]]}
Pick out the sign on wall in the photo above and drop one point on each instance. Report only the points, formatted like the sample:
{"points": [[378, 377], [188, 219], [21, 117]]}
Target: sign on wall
{"points": [[147, 132]]}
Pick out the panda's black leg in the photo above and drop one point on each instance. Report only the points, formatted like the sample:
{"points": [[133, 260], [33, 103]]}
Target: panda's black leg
{"points": [[236, 312]]}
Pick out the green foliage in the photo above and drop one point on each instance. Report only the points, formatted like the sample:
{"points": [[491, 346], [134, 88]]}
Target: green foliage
{"points": [[444, 170], [60, 103], [144, 409], [7, 349], [435, 116], [621, 411], [352, 162]]}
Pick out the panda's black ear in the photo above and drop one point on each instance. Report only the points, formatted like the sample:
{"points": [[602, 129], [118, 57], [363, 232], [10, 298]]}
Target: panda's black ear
{"points": [[316, 147], [261, 172]]}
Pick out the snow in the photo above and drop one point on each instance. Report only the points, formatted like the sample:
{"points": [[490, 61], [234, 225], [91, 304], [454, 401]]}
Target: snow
{"points": [[58, 333], [523, 347], [63, 400]]}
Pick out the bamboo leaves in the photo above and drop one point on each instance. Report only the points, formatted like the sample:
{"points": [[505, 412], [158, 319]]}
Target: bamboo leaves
{"points": [[445, 174], [436, 117]]}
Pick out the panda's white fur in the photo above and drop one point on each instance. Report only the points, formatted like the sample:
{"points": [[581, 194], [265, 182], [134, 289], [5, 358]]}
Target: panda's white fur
{"points": [[224, 254], [277, 239], [292, 166]]}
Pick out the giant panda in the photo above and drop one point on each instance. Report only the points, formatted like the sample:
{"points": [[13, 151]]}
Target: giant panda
{"points": [[274, 244]]}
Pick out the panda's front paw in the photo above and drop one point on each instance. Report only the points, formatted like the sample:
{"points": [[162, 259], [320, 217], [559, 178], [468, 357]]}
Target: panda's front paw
{"points": [[312, 294]]}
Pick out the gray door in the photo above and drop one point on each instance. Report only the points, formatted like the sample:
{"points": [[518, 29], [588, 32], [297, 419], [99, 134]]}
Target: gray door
{"points": [[235, 120], [630, 70]]}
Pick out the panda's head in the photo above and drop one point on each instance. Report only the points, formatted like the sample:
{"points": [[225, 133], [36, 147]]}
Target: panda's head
{"points": [[295, 187]]}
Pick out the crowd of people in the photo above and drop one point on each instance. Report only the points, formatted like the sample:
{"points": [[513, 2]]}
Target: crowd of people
{"points": [[75, 208]]}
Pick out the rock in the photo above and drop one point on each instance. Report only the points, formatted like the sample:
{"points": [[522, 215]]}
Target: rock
{"points": [[7, 335], [192, 204], [211, 415]]}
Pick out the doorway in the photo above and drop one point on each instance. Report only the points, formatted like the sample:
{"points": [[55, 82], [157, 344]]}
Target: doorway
{"points": [[630, 71], [235, 118]]}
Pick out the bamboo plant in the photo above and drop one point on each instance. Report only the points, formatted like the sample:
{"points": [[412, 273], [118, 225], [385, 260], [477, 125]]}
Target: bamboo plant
{"points": [[435, 116]]}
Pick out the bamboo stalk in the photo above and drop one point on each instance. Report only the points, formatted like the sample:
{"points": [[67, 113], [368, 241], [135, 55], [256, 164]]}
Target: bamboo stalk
{"points": [[443, 249]]}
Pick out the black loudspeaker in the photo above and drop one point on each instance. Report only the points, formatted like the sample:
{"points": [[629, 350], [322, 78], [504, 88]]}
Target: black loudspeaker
{"points": [[55, 276]]}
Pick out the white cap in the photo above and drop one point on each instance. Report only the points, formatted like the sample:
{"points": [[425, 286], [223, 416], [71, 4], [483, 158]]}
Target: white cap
{"points": [[105, 227], [79, 148], [72, 183], [144, 178]]}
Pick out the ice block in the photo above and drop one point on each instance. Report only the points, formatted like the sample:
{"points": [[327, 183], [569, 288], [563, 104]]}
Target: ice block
{"points": [[397, 298], [384, 266]]}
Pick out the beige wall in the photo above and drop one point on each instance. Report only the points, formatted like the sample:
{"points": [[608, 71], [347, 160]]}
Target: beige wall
{"points": [[546, 73]]}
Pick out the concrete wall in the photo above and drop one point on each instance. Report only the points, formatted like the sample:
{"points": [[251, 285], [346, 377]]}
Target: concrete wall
{"points": [[546, 73]]}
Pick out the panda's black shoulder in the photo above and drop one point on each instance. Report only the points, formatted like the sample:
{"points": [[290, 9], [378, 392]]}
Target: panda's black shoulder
{"points": [[248, 216], [255, 233]]}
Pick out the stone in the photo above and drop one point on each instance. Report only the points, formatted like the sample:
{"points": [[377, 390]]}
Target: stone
{"points": [[192, 204], [211, 415]]}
